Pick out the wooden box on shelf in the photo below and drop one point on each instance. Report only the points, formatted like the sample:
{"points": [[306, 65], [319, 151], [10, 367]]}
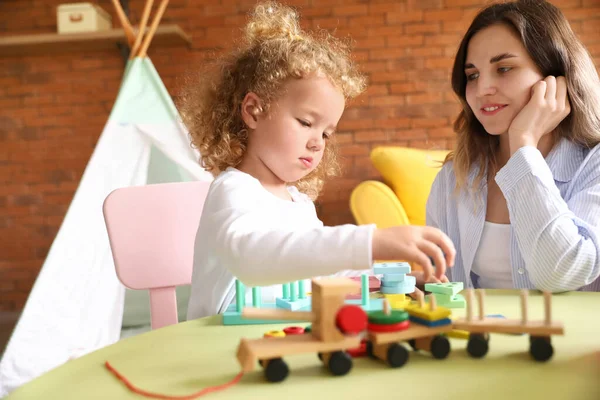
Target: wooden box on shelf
{"points": [[82, 17]]}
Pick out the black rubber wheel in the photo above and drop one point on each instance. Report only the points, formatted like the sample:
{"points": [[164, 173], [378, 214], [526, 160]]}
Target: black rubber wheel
{"points": [[370, 350], [340, 363], [397, 355], [440, 347], [413, 344], [276, 370], [478, 345], [540, 348]]}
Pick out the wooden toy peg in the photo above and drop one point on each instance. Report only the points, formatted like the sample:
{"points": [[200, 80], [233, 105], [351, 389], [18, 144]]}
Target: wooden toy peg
{"points": [[420, 299], [480, 293], [548, 308], [386, 307], [470, 304], [524, 294], [432, 302]]}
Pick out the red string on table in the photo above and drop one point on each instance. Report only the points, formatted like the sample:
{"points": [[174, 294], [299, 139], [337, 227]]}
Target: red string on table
{"points": [[146, 393]]}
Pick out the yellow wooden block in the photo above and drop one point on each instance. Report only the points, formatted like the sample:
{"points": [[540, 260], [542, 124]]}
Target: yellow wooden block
{"points": [[458, 334], [425, 313], [397, 301]]}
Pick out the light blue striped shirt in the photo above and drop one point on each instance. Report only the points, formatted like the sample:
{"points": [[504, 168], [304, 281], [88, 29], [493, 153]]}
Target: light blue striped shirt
{"points": [[554, 207]]}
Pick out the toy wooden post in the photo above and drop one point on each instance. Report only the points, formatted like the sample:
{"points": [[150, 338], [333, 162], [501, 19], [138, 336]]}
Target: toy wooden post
{"points": [[420, 299], [240, 296], [524, 306], [547, 308], [301, 290], [480, 294], [293, 291], [386, 307], [256, 297], [286, 291], [329, 296], [469, 305], [432, 302], [364, 281]]}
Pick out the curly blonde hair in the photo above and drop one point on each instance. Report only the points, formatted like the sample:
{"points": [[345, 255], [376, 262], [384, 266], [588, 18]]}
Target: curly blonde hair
{"points": [[556, 50], [273, 50]]}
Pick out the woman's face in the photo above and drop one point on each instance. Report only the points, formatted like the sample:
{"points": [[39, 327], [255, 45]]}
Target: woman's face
{"points": [[500, 74]]}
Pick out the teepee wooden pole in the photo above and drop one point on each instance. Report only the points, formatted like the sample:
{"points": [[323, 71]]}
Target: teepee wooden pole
{"points": [[124, 22], [142, 29], [161, 10]]}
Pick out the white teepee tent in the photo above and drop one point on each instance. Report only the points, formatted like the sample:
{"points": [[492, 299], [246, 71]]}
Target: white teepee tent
{"points": [[76, 304]]}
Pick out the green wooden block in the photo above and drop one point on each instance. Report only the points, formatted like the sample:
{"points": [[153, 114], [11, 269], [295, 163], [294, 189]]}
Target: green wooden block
{"points": [[456, 301], [450, 288]]}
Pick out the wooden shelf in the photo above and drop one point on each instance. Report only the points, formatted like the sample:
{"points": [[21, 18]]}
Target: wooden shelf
{"points": [[52, 43]]}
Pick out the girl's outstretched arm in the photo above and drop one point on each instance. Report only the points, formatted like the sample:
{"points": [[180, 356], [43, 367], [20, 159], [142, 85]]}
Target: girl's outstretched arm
{"points": [[255, 247]]}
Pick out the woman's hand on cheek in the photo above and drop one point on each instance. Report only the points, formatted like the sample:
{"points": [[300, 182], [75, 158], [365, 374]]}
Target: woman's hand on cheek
{"points": [[548, 106]]}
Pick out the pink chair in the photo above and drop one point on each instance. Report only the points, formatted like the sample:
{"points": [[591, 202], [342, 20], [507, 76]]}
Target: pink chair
{"points": [[151, 231]]}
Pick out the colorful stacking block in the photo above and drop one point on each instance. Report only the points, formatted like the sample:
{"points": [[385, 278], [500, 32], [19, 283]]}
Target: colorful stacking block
{"points": [[394, 279], [406, 286], [391, 268], [397, 301], [457, 301], [431, 324], [450, 288], [425, 313], [446, 294]]}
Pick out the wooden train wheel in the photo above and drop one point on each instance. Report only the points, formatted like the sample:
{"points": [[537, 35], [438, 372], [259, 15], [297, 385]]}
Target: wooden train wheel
{"points": [[540, 348], [478, 345], [397, 355], [340, 363], [276, 370], [440, 347]]}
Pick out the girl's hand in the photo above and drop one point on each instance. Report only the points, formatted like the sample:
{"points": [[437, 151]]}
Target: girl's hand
{"points": [[421, 281], [548, 106], [420, 286], [420, 244]]}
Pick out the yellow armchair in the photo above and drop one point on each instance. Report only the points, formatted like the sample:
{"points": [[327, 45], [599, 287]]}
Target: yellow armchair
{"points": [[407, 178]]}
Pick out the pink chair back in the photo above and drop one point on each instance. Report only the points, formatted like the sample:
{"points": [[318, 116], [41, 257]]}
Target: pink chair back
{"points": [[151, 231]]}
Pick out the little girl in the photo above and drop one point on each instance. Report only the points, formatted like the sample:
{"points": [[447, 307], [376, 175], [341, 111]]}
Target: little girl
{"points": [[264, 119]]}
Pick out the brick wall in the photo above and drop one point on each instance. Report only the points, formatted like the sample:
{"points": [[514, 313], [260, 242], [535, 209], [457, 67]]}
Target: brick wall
{"points": [[53, 108]]}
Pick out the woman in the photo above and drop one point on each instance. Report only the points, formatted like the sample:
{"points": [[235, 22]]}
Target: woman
{"points": [[520, 195]]}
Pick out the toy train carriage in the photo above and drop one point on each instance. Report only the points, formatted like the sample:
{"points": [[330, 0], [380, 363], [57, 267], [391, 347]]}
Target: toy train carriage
{"points": [[335, 329], [480, 328], [423, 327]]}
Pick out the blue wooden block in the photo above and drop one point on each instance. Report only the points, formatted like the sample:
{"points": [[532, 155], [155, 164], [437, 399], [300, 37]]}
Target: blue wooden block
{"points": [[404, 287], [431, 324], [392, 278], [391, 268]]}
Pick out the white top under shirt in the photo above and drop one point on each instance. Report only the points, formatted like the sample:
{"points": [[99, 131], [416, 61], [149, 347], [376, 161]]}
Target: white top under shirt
{"points": [[492, 259], [247, 232]]}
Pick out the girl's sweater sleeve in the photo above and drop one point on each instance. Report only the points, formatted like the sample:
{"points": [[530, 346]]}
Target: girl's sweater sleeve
{"points": [[559, 240], [259, 253]]}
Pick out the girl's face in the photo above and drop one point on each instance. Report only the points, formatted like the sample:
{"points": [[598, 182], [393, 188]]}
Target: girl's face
{"points": [[500, 74], [290, 139]]}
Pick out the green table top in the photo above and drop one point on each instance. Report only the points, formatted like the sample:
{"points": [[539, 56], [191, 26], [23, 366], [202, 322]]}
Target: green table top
{"points": [[185, 358]]}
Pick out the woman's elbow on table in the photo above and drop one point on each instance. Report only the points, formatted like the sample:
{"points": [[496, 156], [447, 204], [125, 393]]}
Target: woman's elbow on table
{"points": [[567, 275]]}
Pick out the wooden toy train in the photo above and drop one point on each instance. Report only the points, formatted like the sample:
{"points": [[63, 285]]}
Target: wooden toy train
{"points": [[338, 329]]}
